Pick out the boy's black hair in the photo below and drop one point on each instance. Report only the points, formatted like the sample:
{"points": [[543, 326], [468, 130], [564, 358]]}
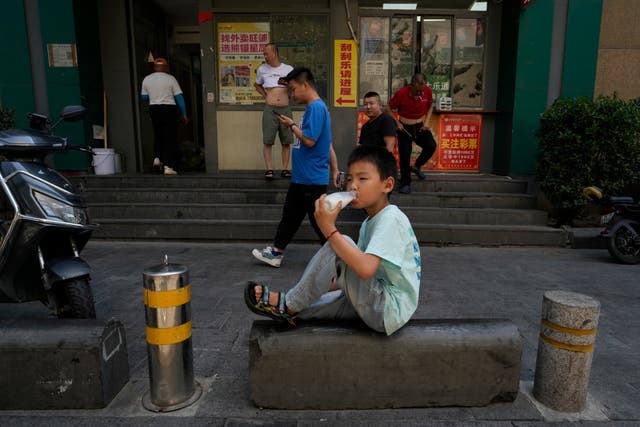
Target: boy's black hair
{"points": [[379, 156], [301, 75]]}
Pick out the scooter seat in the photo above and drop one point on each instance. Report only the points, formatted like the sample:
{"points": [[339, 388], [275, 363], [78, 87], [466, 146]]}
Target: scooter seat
{"points": [[621, 200]]}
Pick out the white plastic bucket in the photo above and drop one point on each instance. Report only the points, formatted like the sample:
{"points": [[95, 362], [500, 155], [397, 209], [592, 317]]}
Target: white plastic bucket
{"points": [[104, 161]]}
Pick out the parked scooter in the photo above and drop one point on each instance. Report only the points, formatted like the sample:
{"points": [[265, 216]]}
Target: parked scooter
{"points": [[43, 222], [621, 215]]}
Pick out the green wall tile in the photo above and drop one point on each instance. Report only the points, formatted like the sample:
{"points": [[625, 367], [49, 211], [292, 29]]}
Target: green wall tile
{"points": [[581, 48], [532, 73]]}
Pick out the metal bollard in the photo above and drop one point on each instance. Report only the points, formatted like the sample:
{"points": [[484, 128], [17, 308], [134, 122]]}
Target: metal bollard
{"points": [[167, 299], [565, 350]]}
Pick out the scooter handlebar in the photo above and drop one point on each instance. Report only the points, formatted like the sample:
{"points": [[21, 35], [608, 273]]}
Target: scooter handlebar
{"points": [[83, 148]]}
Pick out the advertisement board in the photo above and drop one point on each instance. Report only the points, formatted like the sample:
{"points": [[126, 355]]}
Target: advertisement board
{"points": [[240, 46]]}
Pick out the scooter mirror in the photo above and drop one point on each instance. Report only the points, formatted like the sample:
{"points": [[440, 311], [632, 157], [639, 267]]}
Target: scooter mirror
{"points": [[72, 113]]}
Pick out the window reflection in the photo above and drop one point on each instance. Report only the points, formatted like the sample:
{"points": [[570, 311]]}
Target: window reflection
{"points": [[450, 54]]}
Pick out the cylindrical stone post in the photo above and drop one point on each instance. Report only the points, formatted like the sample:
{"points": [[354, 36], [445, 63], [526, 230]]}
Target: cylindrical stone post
{"points": [[565, 350]]}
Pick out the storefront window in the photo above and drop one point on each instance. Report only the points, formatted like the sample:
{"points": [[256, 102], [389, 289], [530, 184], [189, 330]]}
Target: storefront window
{"points": [[467, 71], [403, 51], [374, 57], [450, 54], [301, 40], [436, 55]]}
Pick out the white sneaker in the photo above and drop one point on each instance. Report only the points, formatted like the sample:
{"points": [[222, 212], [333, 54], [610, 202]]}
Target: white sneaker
{"points": [[268, 257], [169, 171], [156, 163]]}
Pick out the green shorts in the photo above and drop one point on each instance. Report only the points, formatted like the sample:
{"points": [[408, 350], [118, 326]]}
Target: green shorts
{"points": [[272, 126]]}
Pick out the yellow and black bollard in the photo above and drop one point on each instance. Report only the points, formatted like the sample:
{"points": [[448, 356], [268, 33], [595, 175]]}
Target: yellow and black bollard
{"points": [[167, 300]]}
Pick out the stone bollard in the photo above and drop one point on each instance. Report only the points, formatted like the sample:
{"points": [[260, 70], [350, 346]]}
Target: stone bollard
{"points": [[167, 300], [565, 350]]}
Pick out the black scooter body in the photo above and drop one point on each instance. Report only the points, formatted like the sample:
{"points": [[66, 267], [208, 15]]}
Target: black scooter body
{"points": [[621, 215], [43, 224]]}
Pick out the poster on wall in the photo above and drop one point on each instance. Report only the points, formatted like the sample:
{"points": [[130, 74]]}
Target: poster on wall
{"points": [[345, 73], [62, 55], [240, 46], [459, 142]]}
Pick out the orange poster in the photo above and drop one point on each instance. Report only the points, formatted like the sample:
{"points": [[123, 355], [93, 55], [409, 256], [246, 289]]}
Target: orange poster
{"points": [[459, 142]]}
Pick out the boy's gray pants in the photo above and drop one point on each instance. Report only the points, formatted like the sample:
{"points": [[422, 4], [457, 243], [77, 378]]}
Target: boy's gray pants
{"points": [[355, 298]]}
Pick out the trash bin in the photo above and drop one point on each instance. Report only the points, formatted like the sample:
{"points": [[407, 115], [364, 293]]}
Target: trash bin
{"points": [[167, 300]]}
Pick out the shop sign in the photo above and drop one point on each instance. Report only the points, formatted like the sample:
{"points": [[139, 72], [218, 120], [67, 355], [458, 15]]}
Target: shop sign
{"points": [[459, 142], [62, 55], [240, 46], [345, 73]]}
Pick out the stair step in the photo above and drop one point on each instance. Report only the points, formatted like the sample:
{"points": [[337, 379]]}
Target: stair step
{"points": [[426, 215], [433, 183], [234, 230], [446, 208], [277, 196]]}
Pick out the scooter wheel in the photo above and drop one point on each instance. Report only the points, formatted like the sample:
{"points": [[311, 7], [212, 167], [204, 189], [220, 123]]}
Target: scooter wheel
{"points": [[624, 246], [78, 302]]}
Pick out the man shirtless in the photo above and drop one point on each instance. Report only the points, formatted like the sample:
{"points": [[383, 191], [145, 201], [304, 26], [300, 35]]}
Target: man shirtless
{"points": [[276, 99]]}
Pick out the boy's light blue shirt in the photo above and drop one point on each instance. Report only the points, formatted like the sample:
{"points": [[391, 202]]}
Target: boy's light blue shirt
{"points": [[389, 235]]}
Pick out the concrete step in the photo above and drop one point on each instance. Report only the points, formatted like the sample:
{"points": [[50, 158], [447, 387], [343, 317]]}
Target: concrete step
{"points": [[434, 183], [425, 215], [477, 209], [264, 230], [269, 196]]}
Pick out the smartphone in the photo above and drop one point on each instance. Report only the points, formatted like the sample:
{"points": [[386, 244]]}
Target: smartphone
{"points": [[340, 180]]}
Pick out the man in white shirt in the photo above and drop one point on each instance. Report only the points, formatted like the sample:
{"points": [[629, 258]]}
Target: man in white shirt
{"points": [[276, 99], [164, 95]]}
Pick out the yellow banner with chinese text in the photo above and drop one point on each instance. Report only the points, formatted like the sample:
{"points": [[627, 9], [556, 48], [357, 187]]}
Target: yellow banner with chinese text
{"points": [[345, 74]]}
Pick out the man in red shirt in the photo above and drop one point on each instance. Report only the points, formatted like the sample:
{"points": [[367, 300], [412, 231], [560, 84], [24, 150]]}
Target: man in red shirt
{"points": [[413, 104]]}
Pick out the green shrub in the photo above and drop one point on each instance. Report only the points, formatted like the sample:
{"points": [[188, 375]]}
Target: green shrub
{"points": [[587, 142], [7, 118]]}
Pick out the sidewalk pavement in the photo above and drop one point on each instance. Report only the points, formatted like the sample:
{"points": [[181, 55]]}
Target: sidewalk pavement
{"points": [[458, 282]]}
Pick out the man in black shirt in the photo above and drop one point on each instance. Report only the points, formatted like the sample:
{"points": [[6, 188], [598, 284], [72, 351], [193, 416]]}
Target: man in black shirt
{"points": [[381, 128]]}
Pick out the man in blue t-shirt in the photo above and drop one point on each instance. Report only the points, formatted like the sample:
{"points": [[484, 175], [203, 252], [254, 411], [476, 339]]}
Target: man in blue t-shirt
{"points": [[312, 155]]}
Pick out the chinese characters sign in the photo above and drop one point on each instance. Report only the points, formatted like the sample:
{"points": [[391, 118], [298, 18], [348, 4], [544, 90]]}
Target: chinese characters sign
{"points": [[345, 73], [62, 55], [459, 142], [240, 46]]}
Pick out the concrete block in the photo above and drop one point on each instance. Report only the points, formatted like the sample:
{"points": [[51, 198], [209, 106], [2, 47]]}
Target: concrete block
{"points": [[439, 362], [61, 364]]}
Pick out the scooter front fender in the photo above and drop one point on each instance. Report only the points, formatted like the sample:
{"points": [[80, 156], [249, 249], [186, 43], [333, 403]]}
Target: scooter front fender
{"points": [[61, 269]]}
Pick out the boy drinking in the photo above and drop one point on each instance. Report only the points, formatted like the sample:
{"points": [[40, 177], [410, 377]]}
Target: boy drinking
{"points": [[377, 279]]}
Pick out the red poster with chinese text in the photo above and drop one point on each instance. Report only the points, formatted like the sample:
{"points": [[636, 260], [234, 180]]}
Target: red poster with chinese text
{"points": [[459, 142]]}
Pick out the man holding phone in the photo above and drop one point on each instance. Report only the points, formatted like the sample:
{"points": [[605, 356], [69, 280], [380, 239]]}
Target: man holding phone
{"points": [[314, 165], [276, 102]]}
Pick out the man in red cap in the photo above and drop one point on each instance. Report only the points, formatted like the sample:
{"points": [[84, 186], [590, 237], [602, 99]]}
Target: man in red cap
{"points": [[164, 95]]}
